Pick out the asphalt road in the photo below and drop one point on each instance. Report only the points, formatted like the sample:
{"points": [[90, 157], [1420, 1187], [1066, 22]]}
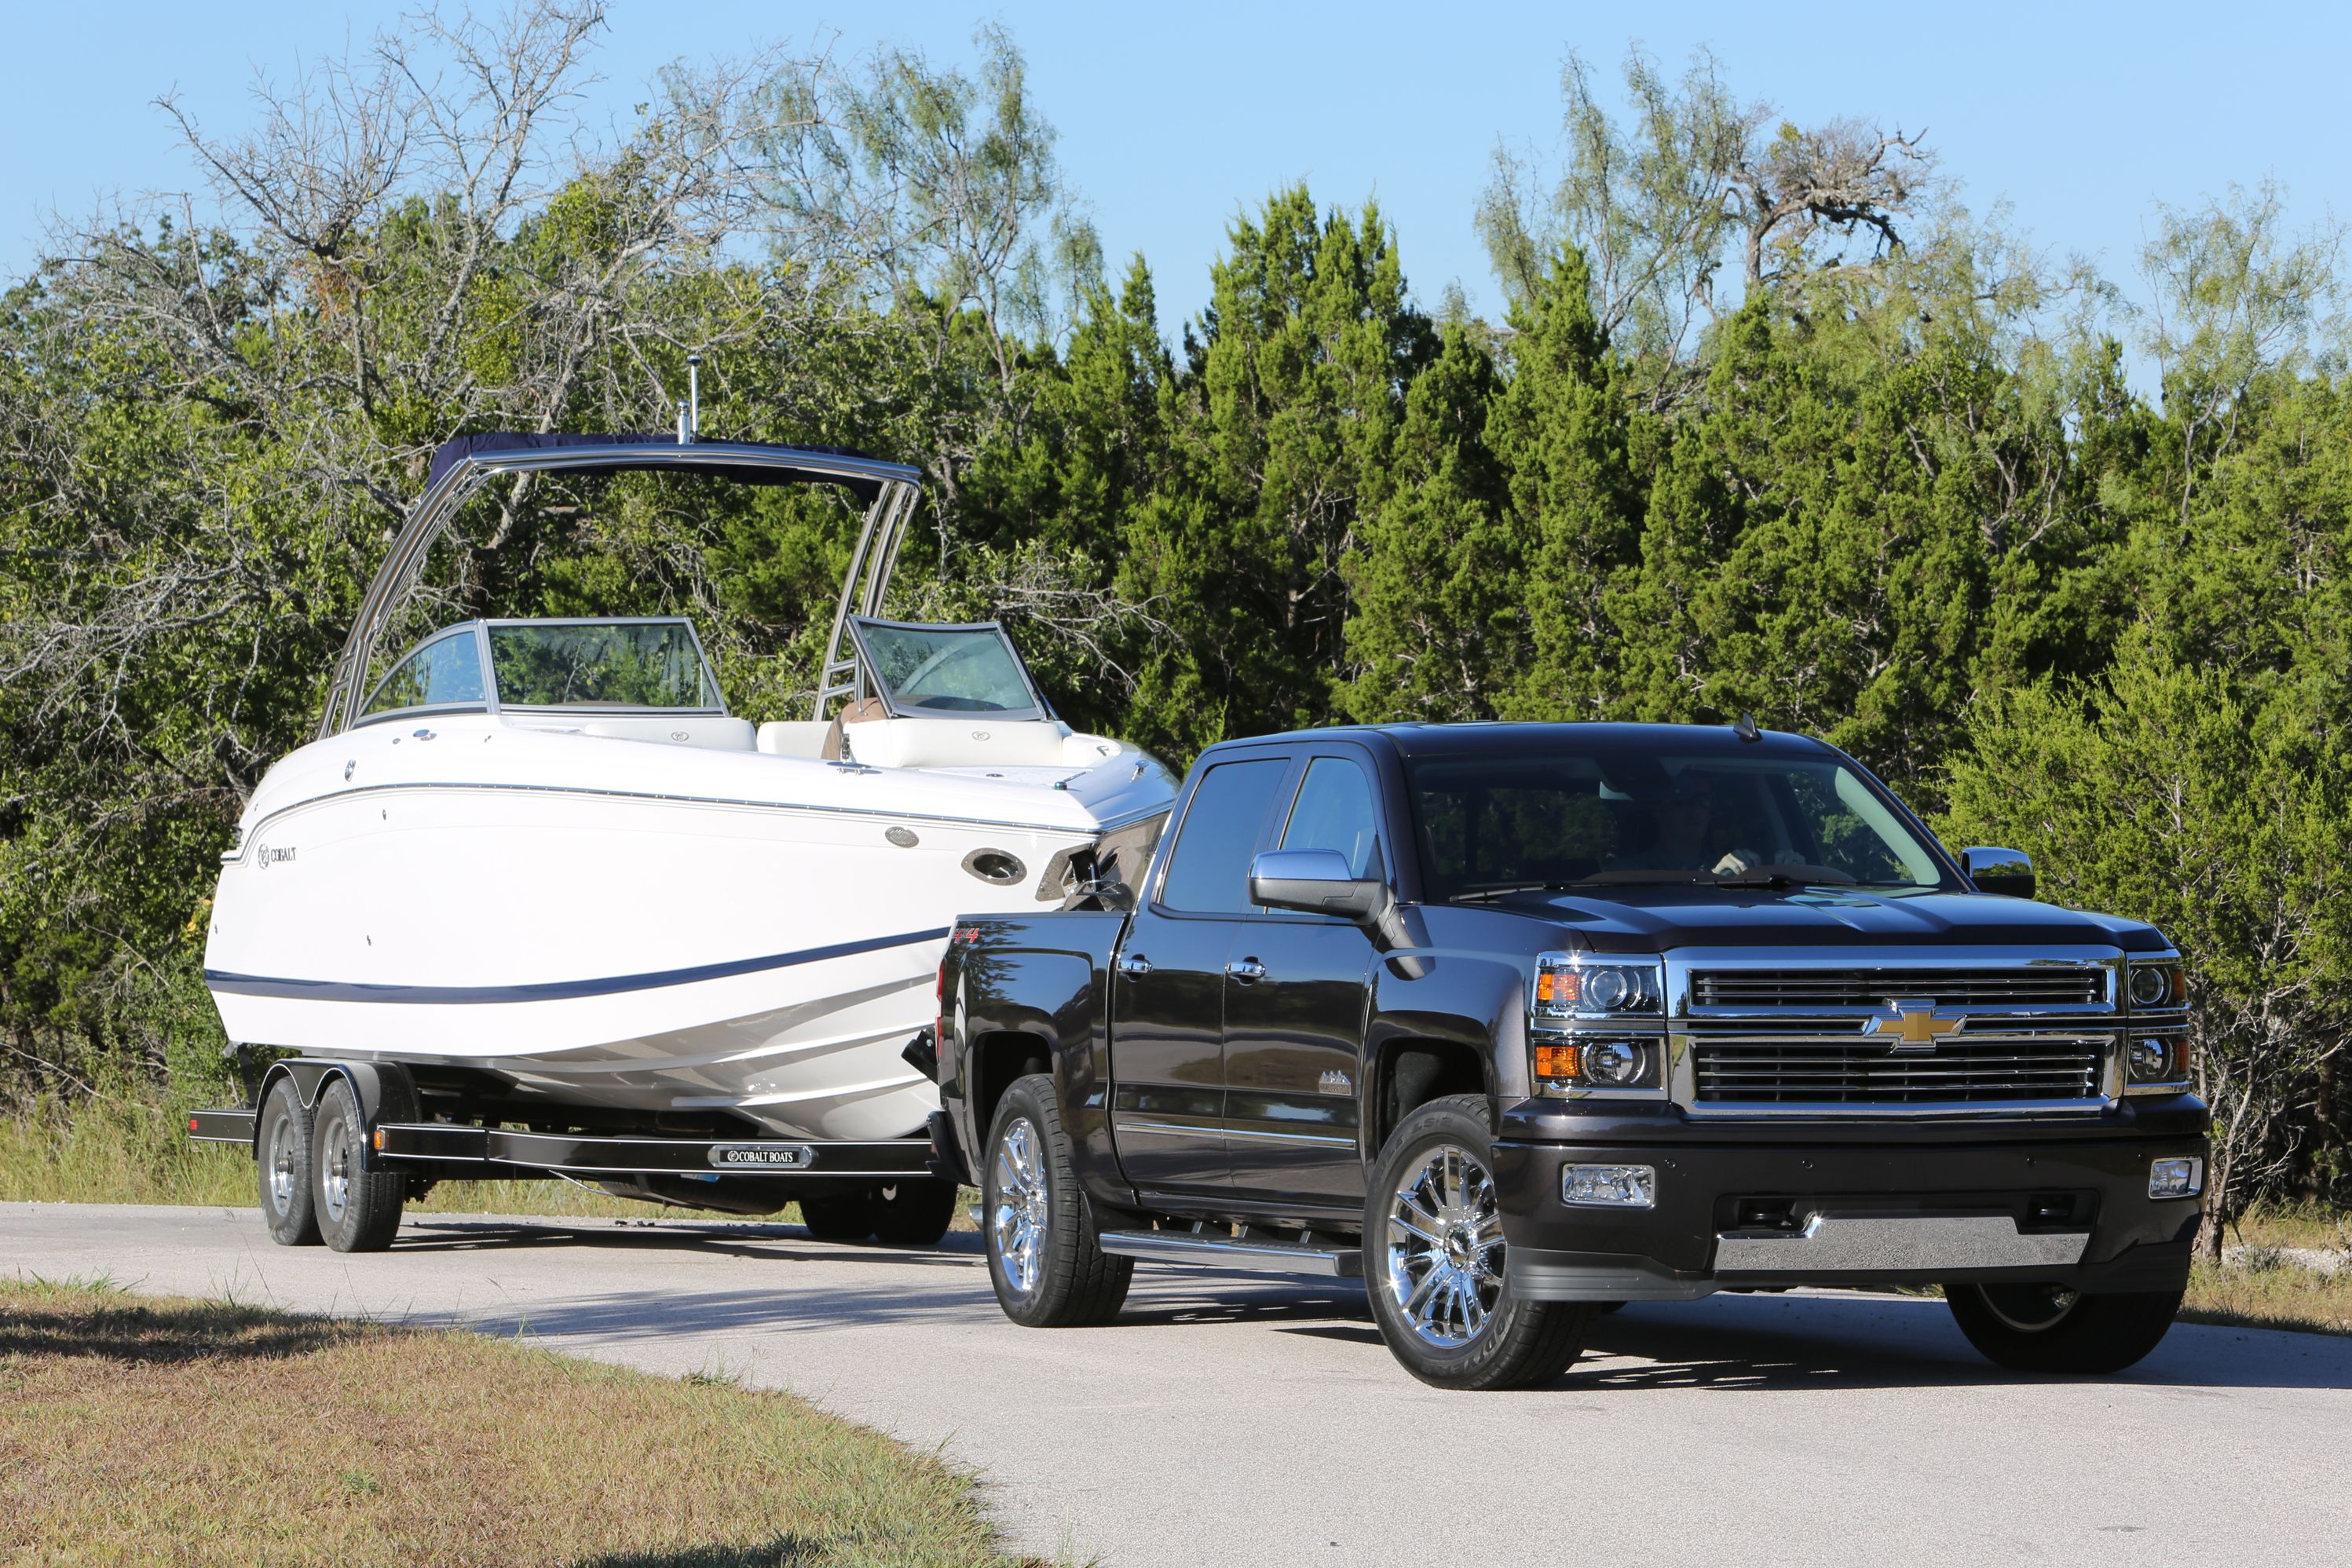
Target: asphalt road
{"points": [[1228, 1419]]}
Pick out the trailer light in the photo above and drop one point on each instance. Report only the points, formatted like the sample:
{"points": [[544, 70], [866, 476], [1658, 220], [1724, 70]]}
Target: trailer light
{"points": [[375, 1140], [2175, 1177], [1609, 1186]]}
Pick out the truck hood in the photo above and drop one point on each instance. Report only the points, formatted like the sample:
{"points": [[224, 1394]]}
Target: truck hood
{"points": [[1650, 919]]}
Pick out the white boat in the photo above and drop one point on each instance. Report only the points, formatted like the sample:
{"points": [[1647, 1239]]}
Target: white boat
{"points": [[540, 859]]}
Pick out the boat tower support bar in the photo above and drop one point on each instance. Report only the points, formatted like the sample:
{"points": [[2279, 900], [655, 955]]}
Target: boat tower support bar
{"points": [[897, 488]]}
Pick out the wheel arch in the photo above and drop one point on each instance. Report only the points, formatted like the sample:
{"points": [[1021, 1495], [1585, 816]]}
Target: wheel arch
{"points": [[996, 1057], [385, 1091]]}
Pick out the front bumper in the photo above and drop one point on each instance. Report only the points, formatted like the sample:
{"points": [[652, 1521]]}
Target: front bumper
{"points": [[1750, 1206]]}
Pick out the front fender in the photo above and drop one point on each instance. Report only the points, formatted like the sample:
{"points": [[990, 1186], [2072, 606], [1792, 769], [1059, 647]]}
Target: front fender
{"points": [[1469, 999]]}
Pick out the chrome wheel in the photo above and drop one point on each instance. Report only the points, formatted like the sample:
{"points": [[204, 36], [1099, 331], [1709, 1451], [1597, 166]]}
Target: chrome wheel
{"points": [[2028, 1308], [1016, 1219], [335, 1170], [1444, 1246], [285, 1138]]}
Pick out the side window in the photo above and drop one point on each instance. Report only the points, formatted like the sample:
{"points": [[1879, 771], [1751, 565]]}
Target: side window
{"points": [[447, 670], [1335, 811], [1208, 871]]}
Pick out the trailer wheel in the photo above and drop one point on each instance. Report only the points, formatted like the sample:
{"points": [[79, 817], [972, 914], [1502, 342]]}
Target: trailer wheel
{"points": [[839, 1216], [913, 1211], [358, 1209], [281, 1151]]}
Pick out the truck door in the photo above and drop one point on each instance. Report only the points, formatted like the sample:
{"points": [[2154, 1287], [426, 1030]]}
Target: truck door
{"points": [[1168, 984], [1295, 999]]}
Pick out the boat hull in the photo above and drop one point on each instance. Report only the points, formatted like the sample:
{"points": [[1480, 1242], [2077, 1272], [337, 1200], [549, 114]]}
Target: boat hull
{"points": [[671, 941]]}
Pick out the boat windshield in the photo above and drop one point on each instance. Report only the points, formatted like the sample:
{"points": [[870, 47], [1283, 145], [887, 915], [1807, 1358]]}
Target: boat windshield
{"points": [[930, 671], [599, 664]]}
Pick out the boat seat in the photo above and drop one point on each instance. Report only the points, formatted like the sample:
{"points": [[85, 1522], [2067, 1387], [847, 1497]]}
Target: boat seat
{"points": [[717, 731], [796, 738], [863, 711]]}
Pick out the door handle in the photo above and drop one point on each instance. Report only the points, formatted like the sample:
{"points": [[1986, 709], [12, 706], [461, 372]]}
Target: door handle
{"points": [[1246, 970], [1134, 965]]}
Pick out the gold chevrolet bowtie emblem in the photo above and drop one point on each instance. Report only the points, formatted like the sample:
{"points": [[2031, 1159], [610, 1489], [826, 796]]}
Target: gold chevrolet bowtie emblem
{"points": [[1913, 1024]]}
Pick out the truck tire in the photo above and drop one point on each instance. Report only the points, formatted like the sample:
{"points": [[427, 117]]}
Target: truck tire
{"points": [[913, 1211], [839, 1216], [359, 1209], [281, 1151], [1048, 1271], [1433, 1260], [2046, 1328]]}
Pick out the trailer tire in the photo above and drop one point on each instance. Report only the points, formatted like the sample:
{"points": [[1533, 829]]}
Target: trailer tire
{"points": [[1048, 1268], [839, 1216], [281, 1154], [358, 1209], [913, 1211]]}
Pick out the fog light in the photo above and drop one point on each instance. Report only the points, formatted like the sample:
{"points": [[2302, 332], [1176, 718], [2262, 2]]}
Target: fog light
{"points": [[2176, 1178], [1609, 1186]]}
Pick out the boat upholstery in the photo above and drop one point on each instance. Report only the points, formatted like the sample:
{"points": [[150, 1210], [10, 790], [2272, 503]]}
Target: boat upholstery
{"points": [[795, 737], [716, 731], [969, 740]]}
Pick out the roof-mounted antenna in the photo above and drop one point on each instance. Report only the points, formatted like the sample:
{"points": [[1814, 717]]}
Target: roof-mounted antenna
{"points": [[1744, 726]]}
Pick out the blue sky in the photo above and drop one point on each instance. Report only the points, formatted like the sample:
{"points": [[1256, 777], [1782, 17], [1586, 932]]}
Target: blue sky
{"points": [[1172, 119]]}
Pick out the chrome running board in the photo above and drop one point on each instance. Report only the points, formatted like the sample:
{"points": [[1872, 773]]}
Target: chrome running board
{"points": [[1892, 1243], [1240, 1250]]}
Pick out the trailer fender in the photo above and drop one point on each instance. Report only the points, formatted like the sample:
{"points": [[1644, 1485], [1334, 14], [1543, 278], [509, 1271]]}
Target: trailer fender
{"points": [[385, 1091]]}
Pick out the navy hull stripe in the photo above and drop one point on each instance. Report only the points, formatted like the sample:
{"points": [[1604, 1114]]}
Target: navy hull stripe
{"points": [[221, 981]]}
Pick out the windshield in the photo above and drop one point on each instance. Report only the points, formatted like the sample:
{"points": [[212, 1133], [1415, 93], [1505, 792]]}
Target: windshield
{"points": [[1601, 816], [625, 663], [945, 669]]}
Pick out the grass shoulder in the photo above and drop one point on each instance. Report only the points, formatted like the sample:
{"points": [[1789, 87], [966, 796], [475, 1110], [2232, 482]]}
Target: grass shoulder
{"points": [[138, 1429]]}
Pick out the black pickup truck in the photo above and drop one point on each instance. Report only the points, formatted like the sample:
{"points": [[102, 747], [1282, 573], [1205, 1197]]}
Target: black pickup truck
{"points": [[1520, 1022]]}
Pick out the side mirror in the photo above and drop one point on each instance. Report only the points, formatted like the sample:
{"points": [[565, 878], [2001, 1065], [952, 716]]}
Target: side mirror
{"points": [[1315, 881], [2006, 871]]}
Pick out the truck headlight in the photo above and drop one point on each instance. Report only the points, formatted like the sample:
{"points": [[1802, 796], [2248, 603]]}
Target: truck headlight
{"points": [[2159, 984], [2156, 1061], [1586, 986], [1561, 1065]]}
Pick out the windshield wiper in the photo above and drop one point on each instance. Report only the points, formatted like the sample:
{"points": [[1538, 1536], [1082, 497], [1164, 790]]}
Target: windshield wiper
{"points": [[1483, 895], [1787, 876]]}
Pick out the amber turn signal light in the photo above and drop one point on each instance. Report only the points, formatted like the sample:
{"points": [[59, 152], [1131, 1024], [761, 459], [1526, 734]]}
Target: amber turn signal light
{"points": [[1558, 1061]]}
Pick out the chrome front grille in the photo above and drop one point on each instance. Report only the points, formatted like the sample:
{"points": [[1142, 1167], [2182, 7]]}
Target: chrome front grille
{"points": [[1822, 1072], [2007, 986]]}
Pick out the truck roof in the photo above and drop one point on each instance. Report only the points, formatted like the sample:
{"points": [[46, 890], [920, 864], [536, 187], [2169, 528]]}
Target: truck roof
{"points": [[1506, 739]]}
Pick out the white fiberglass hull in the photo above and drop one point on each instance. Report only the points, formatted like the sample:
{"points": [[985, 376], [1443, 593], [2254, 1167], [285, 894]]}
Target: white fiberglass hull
{"points": [[698, 929]]}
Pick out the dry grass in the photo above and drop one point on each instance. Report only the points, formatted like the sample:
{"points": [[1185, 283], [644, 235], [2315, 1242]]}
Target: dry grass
{"points": [[2269, 1293], [137, 1430]]}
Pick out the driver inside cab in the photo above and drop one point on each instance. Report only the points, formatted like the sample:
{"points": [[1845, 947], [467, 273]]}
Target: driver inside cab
{"points": [[1690, 830]]}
